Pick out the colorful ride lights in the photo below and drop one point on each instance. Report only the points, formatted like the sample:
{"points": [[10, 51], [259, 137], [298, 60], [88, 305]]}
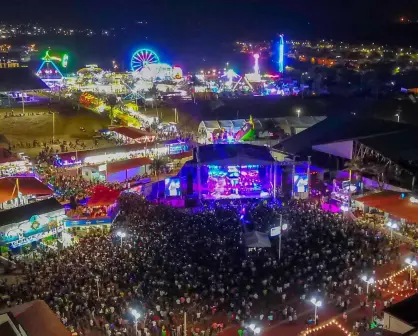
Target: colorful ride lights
{"points": [[392, 226], [412, 264], [368, 281], [317, 303]]}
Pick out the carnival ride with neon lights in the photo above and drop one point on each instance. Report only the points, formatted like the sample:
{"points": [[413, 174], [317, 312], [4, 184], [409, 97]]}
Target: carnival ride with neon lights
{"points": [[142, 58], [281, 54], [245, 133], [48, 70]]}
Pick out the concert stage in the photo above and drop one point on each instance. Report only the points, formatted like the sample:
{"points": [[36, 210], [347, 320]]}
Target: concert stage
{"points": [[248, 181], [228, 171]]}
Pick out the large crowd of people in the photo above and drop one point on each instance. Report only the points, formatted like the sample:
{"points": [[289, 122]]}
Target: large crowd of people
{"points": [[67, 187], [176, 261]]}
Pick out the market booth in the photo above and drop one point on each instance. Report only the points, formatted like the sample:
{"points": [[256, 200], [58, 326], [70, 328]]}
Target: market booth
{"points": [[96, 214], [30, 225], [131, 134], [118, 171], [13, 164], [18, 191], [389, 206]]}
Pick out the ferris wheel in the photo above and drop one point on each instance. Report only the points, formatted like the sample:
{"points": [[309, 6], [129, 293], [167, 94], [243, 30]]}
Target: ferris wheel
{"points": [[143, 57]]}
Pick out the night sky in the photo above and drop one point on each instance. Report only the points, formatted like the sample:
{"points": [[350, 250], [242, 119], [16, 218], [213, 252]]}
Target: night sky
{"points": [[196, 34], [228, 18]]}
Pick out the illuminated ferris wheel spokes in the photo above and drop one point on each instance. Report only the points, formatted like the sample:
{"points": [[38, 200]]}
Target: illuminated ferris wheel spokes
{"points": [[143, 57]]}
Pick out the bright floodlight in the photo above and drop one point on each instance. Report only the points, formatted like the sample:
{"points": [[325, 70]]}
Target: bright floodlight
{"points": [[411, 262], [252, 326], [121, 234], [392, 225], [136, 314], [316, 302], [364, 278], [257, 330]]}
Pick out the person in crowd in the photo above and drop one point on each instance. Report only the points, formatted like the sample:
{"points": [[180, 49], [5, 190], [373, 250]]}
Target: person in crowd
{"points": [[174, 262]]}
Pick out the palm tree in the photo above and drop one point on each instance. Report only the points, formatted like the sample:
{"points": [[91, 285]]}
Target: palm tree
{"points": [[355, 165], [380, 172], [158, 165]]}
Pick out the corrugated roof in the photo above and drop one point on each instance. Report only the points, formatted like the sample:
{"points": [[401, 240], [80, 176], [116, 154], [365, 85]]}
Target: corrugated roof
{"points": [[37, 319], [9, 187], [81, 155], [131, 132], [25, 212], [118, 166], [392, 203], [20, 79], [396, 141], [405, 310]]}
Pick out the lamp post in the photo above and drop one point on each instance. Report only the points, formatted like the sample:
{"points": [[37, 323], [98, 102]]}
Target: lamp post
{"points": [[121, 235], [316, 303], [412, 264], [97, 282], [368, 282], [392, 226], [283, 227], [136, 316]]}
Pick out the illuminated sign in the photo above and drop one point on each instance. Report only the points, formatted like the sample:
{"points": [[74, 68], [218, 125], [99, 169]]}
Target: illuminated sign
{"points": [[277, 230], [37, 237], [86, 222]]}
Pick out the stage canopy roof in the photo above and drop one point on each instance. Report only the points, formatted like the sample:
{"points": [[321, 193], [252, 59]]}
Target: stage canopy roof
{"points": [[232, 154], [259, 124], [392, 203], [10, 186], [20, 79], [118, 166]]}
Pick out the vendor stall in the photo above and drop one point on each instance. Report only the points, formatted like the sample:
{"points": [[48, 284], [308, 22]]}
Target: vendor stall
{"points": [[30, 224]]}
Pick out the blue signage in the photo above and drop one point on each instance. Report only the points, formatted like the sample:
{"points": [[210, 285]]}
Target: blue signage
{"points": [[87, 222]]}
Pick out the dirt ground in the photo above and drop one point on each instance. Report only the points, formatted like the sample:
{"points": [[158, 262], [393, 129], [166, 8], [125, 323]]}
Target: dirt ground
{"points": [[37, 123]]}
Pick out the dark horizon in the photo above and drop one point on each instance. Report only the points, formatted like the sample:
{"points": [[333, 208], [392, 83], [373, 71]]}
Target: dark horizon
{"points": [[224, 19]]}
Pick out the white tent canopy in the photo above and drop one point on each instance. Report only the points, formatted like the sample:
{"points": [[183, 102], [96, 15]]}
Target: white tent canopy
{"points": [[256, 239], [286, 123]]}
